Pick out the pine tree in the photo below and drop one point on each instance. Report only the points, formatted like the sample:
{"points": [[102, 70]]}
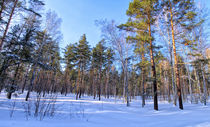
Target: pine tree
{"points": [[109, 57], [99, 59], [142, 16], [15, 5], [20, 45], [8, 23], [82, 63], [182, 12], [70, 61], [2, 3]]}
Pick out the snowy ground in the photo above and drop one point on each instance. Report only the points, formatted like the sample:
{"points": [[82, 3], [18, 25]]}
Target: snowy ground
{"points": [[87, 112]]}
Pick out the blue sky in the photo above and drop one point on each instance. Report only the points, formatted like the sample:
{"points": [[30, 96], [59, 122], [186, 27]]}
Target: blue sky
{"points": [[79, 17]]}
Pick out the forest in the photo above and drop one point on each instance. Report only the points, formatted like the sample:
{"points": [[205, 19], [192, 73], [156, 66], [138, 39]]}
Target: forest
{"points": [[161, 53]]}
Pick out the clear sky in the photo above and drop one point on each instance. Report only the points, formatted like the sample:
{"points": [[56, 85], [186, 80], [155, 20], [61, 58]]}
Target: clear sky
{"points": [[79, 17]]}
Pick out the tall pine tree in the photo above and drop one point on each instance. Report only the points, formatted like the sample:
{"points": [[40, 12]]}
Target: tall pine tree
{"points": [[142, 16]]}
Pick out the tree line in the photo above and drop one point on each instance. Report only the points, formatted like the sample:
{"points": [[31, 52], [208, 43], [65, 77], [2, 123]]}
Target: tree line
{"points": [[161, 52]]}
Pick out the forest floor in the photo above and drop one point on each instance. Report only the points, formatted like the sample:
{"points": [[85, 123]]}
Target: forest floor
{"points": [[87, 112]]}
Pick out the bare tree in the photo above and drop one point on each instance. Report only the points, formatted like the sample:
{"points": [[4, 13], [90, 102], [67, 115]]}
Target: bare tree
{"points": [[117, 40], [165, 34]]}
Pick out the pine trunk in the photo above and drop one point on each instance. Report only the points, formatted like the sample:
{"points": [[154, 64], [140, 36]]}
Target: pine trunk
{"points": [[13, 81], [94, 84], [78, 84], [153, 69], [7, 26], [99, 86], [2, 8], [31, 83], [143, 79], [179, 93], [107, 84], [143, 93], [172, 69]]}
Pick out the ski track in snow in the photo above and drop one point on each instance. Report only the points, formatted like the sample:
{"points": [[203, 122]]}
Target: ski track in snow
{"points": [[112, 112]]}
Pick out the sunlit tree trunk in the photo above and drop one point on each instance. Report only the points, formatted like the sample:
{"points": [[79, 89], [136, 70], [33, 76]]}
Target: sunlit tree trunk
{"points": [[172, 69], [176, 62]]}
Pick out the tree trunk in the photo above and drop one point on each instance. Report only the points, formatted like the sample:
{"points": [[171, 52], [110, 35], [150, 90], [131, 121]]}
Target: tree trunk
{"points": [[143, 79], [107, 84], [197, 78], [31, 83], [143, 94], [13, 81], [169, 86], [3, 74], [172, 80], [126, 83], [204, 85], [81, 86], [179, 93], [99, 86], [94, 84], [2, 8], [153, 69], [172, 69], [7, 26], [190, 84], [78, 84], [53, 82]]}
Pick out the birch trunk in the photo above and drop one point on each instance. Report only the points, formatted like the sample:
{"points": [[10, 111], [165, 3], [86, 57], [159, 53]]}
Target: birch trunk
{"points": [[204, 85], [190, 83], [197, 78]]}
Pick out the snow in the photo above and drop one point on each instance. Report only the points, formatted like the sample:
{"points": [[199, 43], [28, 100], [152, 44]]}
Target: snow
{"points": [[112, 112]]}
